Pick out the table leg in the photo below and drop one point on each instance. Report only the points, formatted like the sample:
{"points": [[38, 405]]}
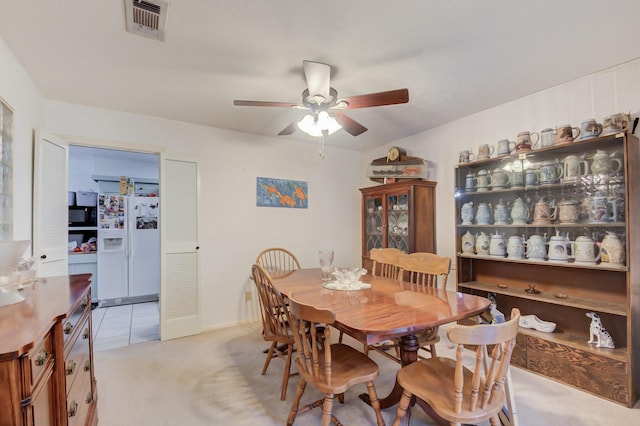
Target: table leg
{"points": [[408, 354]]}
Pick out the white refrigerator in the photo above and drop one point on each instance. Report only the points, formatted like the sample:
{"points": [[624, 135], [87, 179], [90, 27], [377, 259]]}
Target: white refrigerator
{"points": [[128, 248]]}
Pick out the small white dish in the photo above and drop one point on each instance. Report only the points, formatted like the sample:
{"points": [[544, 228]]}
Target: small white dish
{"points": [[354, 286]]}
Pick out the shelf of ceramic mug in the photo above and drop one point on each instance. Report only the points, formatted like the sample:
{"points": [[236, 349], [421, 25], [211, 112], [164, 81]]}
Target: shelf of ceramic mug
{"points": [[577, 147], [475, 225], [460, 193], [580, 225], [550, 225], [577, 265], [597, 305]]}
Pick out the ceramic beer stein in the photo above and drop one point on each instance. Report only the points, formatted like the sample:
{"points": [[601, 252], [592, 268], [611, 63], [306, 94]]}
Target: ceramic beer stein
{"points": [[544, 213], [590, 129], [515, 247], [505, 147], [531, 177], [567, 134], [611, 249], [574, 167], [519, 212], [482, 244], [496, 245], [483, 215], [536, 248], [584, 250], [499, 178], [599, 209], [468, 243], [526, 140], [603, 164], [470, 182], [483, 181], [466, 213], [568, 211], [501, 213], [550, 172], [559, 248], [547, 137], [615, 123], [465, 156], [485, 151]]}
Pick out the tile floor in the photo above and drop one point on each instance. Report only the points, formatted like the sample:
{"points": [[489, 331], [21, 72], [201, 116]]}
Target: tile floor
{"points": [[124, 325]]}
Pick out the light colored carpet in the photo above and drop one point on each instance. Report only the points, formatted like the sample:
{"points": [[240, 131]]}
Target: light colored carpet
{"points": [[214, 379]]}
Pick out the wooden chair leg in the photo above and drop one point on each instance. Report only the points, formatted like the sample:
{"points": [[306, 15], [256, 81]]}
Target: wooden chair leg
{"points": [[269, 356], [402, 407], [327, 408], [287, 373], [296, 402]]}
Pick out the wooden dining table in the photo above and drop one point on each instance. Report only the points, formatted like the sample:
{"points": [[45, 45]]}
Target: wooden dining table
{"points": [[389, 309]]}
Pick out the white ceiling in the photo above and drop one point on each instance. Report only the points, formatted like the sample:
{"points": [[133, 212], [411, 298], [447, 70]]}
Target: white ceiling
{"points": [[456, 57]]}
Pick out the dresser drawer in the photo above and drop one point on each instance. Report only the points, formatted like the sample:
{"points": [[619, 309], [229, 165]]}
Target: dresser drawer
{"points": [[79, 398], [40, 358], [75, 360], [70, 324]]}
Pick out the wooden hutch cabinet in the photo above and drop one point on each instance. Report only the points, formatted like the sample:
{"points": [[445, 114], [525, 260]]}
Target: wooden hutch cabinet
{"points": [[400, 215], [574, 206], [46, 355]]}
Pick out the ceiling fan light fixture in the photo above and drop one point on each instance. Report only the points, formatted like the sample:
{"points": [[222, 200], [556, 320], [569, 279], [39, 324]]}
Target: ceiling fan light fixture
{"points": [[315, 124]]}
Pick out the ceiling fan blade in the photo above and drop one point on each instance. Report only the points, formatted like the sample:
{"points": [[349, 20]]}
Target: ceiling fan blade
{"points": [[392, 97], [289, 129], [350, 125], [317, 75], [265, 104]]}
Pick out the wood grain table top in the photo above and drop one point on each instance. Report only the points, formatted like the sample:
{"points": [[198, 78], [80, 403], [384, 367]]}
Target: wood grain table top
{"points": [[388, 309]]}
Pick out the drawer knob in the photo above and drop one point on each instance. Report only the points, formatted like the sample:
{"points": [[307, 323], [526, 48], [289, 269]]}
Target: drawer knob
{"points": [[67, 328], [41, 358], [71, 367], [73, 409], [87, 365], [89, 398], [85, 333]]}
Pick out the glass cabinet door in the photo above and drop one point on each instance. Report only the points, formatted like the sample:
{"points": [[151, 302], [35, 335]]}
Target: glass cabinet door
{"points": [[374, 235], [563, 204], [398, 221]]}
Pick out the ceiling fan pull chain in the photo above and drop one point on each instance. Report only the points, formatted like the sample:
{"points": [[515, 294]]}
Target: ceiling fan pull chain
{"points": [[321, 145]]}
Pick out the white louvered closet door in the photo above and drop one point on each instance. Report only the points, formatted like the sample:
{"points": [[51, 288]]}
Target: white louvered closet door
{"points": [[50, 210], [179, 282]]}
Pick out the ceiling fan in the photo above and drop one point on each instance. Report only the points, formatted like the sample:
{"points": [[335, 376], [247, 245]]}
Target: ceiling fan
{"points": [[324, 106]]}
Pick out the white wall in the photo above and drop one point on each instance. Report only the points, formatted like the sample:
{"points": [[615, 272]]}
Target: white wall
{"points": [[19, 92], [595, 96], [233, 230]]}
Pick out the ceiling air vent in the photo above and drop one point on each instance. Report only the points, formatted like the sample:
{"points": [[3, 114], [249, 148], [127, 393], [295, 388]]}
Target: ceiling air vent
{"points": [[146, 18]]}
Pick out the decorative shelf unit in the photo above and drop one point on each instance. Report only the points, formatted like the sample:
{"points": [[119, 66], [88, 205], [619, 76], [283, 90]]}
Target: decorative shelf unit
{"points": [[400, 215], [564, 291]]}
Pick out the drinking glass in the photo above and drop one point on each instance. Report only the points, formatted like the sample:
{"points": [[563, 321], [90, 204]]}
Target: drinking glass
{"points": [[326, 259]]}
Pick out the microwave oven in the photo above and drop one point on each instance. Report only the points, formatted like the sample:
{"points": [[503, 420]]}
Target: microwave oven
{"points": [[83, 216]]}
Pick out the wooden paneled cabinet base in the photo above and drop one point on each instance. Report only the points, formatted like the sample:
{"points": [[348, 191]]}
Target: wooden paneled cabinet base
{"points": [[46, 355], [517, 239], [400, 215]]}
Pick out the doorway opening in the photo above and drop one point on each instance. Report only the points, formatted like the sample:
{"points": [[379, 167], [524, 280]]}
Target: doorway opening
{"points": [[118, 240]]}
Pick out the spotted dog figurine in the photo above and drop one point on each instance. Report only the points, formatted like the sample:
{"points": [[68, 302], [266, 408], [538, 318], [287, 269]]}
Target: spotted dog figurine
{"points": [[597, 333]]}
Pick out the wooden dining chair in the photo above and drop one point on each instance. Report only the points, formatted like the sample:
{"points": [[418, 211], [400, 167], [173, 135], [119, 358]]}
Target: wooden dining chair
{"points": [[330, 368], [454, 392], [277, 260], [384, 265], [385, 262], [275, 324], [425, 270]]}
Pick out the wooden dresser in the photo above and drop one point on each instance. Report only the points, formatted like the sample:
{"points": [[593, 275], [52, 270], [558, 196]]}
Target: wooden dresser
{"points": [[46, 355]]}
